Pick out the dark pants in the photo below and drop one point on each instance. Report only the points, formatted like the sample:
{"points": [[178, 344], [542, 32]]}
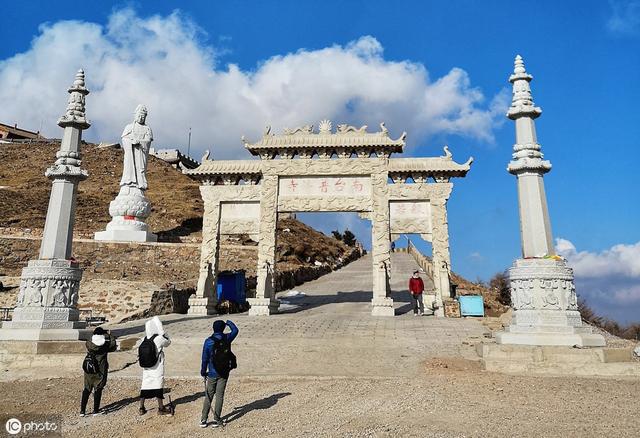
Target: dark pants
{"points": [[97, 394], [417, 303], [215, 387]]}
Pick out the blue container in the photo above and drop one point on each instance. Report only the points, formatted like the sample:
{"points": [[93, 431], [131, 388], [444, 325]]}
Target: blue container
{"points": [[471, 305], [231, 286]]}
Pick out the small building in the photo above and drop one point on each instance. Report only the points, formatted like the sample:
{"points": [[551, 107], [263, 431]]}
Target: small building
{"points": [[176, 158], [9, 132]]}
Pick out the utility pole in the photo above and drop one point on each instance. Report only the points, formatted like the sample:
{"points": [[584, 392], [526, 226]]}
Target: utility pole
{"points": [[189, 143]]}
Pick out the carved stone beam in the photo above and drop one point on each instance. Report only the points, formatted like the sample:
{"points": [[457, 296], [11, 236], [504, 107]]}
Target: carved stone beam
{"points": [[267, 155], [230, 180], [286, 154]]}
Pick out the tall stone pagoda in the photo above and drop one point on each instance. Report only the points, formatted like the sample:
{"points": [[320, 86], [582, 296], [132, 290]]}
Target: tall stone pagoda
{"points": [[46, 309], [543, 293]]}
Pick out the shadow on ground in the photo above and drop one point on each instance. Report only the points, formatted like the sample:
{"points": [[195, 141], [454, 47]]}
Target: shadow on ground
{"points": [[124, 331], [263, 403]]}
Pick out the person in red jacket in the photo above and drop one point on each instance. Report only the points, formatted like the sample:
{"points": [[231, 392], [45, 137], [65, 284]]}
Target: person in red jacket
{"points": [[416, 287]]}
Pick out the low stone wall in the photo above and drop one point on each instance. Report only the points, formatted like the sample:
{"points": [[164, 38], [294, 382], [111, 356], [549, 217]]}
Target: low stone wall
{"points": [[422, 260]]}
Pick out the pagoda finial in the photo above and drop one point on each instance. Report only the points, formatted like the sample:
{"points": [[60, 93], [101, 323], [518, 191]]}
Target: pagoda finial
{"points": [[522, 101], [75, 115], [518, 65]]}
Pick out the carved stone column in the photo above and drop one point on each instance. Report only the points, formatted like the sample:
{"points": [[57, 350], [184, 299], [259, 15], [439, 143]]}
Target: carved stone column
{"points": [[205, 299], [265, 303], [542, 290], [47, 301], [440, 245], [382, 303]]}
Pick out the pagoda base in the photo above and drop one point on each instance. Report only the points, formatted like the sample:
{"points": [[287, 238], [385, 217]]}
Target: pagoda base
{"points": [[545, 307]]}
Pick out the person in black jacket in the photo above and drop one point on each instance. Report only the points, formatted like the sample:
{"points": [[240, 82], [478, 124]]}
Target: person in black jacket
{"points": [[100, 344]]}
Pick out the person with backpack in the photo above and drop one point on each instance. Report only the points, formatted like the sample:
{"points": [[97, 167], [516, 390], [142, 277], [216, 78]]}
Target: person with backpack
{"points": [[96, 368], [217, 362], [151, 359], [416, 287]]}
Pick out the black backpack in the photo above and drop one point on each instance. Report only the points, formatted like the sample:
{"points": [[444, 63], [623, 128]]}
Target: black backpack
{"points": [[223, 358], [90, 364], [148, 352]]}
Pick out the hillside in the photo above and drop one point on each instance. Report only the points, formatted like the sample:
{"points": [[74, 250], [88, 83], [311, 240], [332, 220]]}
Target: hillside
{"points": [[24, 195]]}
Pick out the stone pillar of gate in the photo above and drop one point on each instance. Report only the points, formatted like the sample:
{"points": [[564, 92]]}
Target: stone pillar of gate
{"points": [[382, 303], [264, 302], [205, 299], [440, 246]]}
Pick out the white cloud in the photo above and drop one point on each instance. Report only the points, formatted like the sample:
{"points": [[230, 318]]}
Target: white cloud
{"points": [[609, 280], [161, 62], [620, 259], [625, 17]]}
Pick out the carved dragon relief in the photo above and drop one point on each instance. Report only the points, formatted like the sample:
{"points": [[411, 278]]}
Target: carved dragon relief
{"points": [[344, 129], [306, 129]]}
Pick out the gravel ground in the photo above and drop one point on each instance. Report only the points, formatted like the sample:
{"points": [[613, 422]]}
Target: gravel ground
{"points": [[451, 398]]}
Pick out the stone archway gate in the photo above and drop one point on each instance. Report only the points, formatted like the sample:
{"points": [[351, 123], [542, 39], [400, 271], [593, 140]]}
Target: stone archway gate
{"points": [[398, 195]]}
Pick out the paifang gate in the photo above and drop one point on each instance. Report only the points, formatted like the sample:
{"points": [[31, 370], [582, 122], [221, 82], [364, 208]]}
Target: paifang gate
{"points": [[349, 170]]}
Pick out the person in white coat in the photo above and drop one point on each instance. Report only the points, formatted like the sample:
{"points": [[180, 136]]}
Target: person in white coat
{"points": [[153, 377]]}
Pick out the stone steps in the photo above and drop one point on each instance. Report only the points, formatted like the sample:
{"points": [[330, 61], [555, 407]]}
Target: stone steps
{"points": [[556, 360]]}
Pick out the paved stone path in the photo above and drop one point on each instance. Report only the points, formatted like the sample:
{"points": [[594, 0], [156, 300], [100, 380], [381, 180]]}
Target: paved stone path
{"points": [[327, 332], [348, 290]]}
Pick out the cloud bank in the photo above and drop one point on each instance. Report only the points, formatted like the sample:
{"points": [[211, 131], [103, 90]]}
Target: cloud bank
{"points": [[625, 17], [161, 61], [608, 280]]}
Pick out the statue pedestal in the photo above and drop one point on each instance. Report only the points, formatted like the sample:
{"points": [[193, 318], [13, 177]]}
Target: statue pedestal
{"points": [[129, 210], [46, 308], [545, 307]]}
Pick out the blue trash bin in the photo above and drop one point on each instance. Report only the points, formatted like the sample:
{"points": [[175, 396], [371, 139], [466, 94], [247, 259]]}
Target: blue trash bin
{"points": [[231, 286]]}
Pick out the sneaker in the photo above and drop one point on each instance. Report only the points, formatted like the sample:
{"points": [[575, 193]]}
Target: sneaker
{"points": [[165, 411], [203, 424], [82, 414], [142, 411], [96, 413], [218, 423], [415, 314]]}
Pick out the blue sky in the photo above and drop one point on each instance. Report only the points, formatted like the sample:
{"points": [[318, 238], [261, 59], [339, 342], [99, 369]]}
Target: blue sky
{"points": [[229, 68]]}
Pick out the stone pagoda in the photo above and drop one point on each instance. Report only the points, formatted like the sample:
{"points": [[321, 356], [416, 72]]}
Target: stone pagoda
{"points": [[543, 293], [49, 286]]}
